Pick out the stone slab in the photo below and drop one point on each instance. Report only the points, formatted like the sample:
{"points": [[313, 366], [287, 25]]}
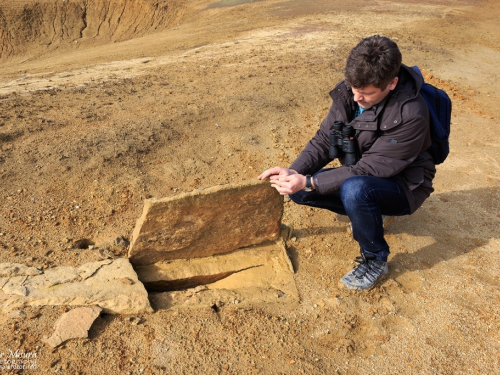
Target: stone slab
{"points": [[206, 222], [73, 324], [109, 284], [249, 276]]}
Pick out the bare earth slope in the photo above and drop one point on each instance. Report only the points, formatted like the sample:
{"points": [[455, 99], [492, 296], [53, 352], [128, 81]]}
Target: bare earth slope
{"points": [[31, 28], [200, 94]]}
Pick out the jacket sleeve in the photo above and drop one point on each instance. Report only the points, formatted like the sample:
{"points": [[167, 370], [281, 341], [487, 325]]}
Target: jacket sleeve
{"points": [[392, 151]]}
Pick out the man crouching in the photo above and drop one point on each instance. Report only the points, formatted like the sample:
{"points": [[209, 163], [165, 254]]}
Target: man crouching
{"points": [[392, 172]]}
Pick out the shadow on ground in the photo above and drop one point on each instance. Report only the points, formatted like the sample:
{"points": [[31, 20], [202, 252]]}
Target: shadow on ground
{"points": [[455, 222]]}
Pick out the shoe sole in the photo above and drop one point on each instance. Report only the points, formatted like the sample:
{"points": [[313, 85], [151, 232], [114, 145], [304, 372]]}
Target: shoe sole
{"points": [[379, 280]]}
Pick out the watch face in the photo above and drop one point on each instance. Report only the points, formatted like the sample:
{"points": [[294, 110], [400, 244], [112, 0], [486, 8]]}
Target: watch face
{"points": [[307, 189]]}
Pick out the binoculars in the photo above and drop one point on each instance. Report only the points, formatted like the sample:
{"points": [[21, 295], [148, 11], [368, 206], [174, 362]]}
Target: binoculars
{"points": [[342, 142]]}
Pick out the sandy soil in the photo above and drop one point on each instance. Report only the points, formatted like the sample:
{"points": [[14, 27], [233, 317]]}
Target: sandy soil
{"points": [[94, 122]]}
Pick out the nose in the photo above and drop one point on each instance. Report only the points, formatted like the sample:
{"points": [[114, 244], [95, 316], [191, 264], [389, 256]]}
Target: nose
{"points": [[357, 97]]}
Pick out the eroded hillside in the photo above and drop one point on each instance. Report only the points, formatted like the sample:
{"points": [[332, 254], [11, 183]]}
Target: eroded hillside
{"points": [[29, 26]]}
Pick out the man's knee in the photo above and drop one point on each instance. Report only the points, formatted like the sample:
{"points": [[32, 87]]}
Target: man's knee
{"points": [[354, 190]]}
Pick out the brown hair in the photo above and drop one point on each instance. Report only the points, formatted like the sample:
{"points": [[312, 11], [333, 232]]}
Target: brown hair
{"points": [[374, 61]]}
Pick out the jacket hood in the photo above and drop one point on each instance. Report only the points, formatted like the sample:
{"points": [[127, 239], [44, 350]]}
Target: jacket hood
{"points": [[408, 76]]}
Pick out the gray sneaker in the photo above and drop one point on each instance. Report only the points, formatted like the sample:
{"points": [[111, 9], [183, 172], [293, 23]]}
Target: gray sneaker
{"points": [[365, 274]]}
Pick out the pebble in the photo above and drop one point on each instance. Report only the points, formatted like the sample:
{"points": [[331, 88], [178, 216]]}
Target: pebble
{"points": [[17, 314], [121, 241], [135, 320]]}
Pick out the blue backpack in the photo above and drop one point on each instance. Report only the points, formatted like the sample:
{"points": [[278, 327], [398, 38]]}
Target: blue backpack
{"points": [[439, 104]]}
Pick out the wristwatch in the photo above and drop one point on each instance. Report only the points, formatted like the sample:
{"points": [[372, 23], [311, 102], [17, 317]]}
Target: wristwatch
{"points": [[308, 183]]}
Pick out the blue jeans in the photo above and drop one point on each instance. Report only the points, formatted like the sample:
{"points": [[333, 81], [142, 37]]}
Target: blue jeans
{"points": [[364, 199]]}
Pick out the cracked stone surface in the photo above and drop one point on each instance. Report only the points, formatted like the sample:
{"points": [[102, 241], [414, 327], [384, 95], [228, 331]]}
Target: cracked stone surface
{"points": [[206, 222], [17, 269], [252, 275], [110, 284]]}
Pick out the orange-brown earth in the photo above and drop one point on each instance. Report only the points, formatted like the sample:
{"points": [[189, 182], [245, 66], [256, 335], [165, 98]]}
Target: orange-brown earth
{"points": [[103, 104]]}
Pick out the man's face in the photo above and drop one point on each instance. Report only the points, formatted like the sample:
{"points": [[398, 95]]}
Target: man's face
{"points": [[368, 96]]}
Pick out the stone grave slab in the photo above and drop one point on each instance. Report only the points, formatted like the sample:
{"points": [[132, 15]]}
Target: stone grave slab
{"points": [[206, 222]]}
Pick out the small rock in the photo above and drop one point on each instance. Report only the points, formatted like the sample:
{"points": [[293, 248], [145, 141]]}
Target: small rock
{"points": [[106, 254], [33, 315], [17, 314], [120, 241], [135, 320], [73, 324]]}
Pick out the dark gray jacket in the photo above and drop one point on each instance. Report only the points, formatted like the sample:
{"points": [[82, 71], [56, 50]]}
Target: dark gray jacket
{"points": [[393, 137]]}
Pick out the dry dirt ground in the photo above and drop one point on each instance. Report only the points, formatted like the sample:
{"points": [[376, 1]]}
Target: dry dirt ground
{"points": [[103, 107]]}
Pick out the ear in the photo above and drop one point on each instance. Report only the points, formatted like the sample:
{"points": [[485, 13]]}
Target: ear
{"points": [[393, 84]]}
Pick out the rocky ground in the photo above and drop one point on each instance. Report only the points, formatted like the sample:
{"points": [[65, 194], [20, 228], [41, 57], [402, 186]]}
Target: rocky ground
{"points": [[93, 121]]}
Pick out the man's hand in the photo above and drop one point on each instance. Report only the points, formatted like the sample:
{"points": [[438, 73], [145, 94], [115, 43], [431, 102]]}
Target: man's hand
{"points": [[289, 184], [286, 181], [275, 173]]}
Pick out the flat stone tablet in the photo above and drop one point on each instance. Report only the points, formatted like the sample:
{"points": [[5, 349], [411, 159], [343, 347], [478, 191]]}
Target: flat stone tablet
{"points": [[206, 222]]}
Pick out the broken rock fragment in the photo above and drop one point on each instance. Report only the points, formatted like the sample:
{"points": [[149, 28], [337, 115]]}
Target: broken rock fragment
{"points": [[110, 284], [73, 324]]}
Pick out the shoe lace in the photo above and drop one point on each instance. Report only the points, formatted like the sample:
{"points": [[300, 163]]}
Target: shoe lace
{"points": [[365, 268]]}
